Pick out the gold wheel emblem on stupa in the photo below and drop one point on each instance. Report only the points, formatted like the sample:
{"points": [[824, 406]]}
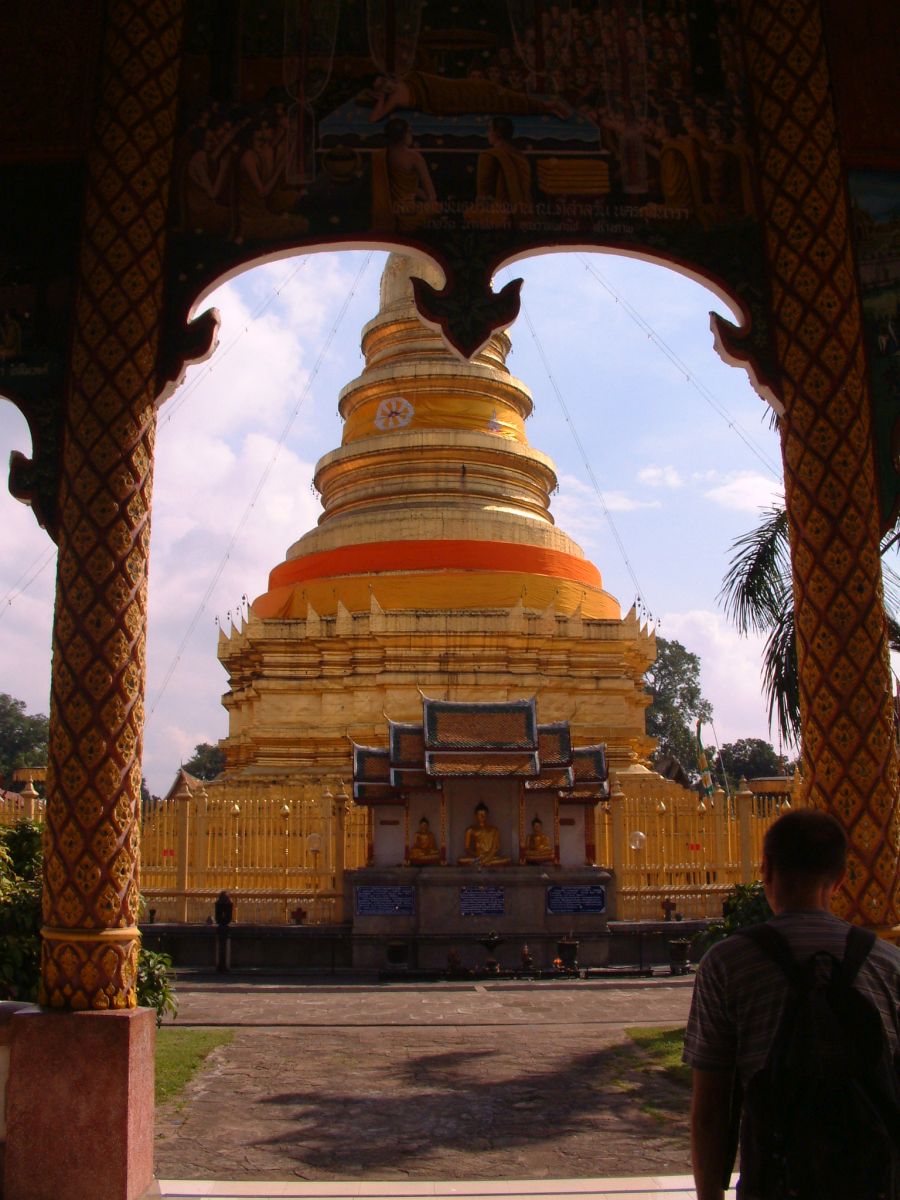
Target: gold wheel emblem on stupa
{"points": [[393, 413]]}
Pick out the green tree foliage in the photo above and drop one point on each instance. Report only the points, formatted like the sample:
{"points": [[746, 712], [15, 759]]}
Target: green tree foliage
{"points": [[20, 927], [23, 736], [758, 595], [20, 910], [208, 761], [749, 758], [674, 683]]}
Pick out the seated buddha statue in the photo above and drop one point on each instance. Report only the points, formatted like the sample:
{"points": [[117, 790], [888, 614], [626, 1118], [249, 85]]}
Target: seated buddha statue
{"points": [[538, 847], [482, 842], [424, 850]]}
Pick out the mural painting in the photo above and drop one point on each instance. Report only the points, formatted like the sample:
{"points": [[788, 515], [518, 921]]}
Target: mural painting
{"points": [[472, 131], [875, 200], [36, 292]]}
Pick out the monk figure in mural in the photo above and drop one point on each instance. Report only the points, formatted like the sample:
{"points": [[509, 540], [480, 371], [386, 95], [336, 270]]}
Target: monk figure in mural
{"points": [[502, 180]]}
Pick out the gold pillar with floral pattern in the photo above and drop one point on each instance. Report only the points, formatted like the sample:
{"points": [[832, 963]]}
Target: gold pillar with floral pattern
{"points": [[850, 758], [90, 906]]}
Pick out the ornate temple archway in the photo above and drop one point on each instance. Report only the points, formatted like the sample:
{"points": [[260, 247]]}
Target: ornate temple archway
{"points": [[156, 147]]}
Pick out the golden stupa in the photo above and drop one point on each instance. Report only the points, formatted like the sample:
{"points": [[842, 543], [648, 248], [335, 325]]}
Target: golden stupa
{"points": [[435, 568]]}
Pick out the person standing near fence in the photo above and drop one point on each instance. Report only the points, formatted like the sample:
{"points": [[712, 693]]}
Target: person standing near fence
{"points": [[739, 1031]]}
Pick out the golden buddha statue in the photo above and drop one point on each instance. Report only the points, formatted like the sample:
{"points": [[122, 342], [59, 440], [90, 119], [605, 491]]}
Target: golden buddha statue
{"points": [[538, 847], [482, 842], [424, 850]]}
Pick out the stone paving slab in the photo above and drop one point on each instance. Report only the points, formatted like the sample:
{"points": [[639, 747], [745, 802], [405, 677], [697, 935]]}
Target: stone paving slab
{"points": [[407, 1085]]}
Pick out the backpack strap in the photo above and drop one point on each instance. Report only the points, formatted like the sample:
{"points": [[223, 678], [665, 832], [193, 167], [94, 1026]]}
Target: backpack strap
{"points": [[776, 947], [859, 943]]}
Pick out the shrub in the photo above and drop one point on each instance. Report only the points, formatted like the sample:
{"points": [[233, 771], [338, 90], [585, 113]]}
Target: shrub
{"points": [[20, 927], [745, 905], [154, 983], [20, 910]]}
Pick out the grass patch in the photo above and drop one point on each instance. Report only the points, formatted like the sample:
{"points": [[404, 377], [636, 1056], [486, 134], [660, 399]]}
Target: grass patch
{"points": [[180, 1054], [663, 1047]]}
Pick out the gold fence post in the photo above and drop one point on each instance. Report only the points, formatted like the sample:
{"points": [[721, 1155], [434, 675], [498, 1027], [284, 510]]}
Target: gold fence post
{"points": [[30, 796], [340, 809], [617, 815], [797, 789], [744, 801], [183, 835], [719, 816], [197, 878]]}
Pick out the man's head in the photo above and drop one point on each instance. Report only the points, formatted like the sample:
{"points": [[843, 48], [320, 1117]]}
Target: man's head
{"points": [[804, 858], [481, 813]]}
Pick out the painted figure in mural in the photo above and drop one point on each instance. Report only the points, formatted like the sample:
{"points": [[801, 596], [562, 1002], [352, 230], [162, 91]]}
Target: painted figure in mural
{"points": [[538, 847], [403, 195], [424, 850], [10, 335], [680, 174], [265, 202], [502, 180], [444, 97], [482, 842], [206, 198]]}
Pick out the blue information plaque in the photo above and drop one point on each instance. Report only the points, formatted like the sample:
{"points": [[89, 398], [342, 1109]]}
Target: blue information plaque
{"points": [[481, 901], [379, 901], [590, 898]]}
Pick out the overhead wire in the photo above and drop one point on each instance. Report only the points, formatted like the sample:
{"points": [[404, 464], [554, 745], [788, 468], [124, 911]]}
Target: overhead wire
{"points": [[261, 483], [176, 403], [664, 348], [640, 597], [36, 568]]}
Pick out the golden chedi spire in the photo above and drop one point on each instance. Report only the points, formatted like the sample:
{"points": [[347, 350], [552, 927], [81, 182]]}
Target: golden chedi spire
{"points": [[434, 500]]}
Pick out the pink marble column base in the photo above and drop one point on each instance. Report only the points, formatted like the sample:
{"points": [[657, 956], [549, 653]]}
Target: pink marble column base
{"points": [[79, 1105]]}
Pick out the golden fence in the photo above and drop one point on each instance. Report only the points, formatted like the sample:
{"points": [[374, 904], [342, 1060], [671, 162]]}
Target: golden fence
{"points": [[281, 858], [669, 847]]}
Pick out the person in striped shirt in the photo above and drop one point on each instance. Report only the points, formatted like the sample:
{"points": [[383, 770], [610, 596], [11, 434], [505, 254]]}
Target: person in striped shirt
{"points": [[740, 993]]}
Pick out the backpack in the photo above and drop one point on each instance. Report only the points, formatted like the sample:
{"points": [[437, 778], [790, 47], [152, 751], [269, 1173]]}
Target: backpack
{"points": [[821, 1119]]}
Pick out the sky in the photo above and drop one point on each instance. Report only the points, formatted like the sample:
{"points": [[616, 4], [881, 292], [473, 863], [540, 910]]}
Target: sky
{"points": [[661, 465]]}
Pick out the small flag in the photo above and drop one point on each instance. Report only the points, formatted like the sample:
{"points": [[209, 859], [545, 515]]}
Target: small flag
{"points": [[706, 783]]}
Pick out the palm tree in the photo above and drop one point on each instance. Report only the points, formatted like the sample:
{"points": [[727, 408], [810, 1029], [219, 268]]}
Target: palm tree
{"points": [[758, 596]]}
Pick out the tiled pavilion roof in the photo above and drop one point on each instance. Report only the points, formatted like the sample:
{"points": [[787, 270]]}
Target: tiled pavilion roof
{"points": [[473, 740]]}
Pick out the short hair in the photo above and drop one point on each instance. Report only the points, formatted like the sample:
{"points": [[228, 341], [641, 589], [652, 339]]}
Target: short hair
{"points": [[481, 806], [808, 843], [503, 127]]}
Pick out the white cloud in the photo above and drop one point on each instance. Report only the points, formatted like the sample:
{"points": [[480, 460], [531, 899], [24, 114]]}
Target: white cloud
{"points": [[667, 477], [577, 510], [730, 671], [746, 491]]}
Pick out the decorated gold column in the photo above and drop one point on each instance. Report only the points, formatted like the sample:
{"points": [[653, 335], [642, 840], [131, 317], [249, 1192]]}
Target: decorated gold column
{"points": [[90, 940], [849, 755]]}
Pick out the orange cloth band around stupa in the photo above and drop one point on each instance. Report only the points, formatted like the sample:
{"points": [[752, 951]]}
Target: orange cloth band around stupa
{"points": [[377, 558]]}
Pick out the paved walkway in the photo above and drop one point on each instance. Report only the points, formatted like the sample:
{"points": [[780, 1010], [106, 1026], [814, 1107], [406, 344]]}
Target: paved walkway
{"points": [[338, 1090]]}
